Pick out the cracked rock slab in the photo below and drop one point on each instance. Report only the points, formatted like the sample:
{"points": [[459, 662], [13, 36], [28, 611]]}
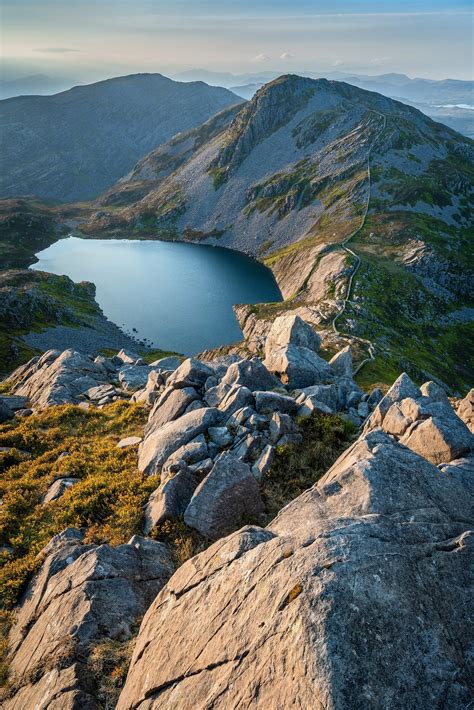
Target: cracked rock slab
{"points": [[345, 601]]}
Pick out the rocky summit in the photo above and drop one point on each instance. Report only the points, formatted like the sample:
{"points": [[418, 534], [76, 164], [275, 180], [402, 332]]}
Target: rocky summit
{"points": [[295, 540]]}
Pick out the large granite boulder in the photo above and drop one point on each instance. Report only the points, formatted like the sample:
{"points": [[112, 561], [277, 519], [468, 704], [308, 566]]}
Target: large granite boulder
{"points": [[82, 594], [56, 378], [229, 493], [170, 405], [298, 366], [358, 595], [191, 373], [341, 362], [251, 374], [161, 443], [171, 499], [291, 330]]}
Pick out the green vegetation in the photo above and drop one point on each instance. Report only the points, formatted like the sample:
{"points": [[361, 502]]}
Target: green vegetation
{"points": [[297, 468], [33, 300], [219, 176]]}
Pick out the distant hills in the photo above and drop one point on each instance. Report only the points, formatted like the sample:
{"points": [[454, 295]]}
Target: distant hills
{"points": [[73, 145], [286, 178], [35, 84]]}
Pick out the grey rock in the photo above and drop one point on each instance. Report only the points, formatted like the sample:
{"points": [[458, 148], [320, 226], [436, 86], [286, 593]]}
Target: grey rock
{"points": [[221, 436], [170, 405], [237, 397], [159, 445], [191, 373], [190, 453], [67, 609], [133, 377], [375, 397], [250, 448], [5, 412], [196, 404], [58, 488], [106, 363], [240, 417], [171, 499], [291, 330], [100, 391], [14, 402], [257, 422], [298, 366], [127, 356], [341, 362], [129, 441], [23, 412], [282, 424], [203, 467], [312, 405], [214, 395], [170, 363], [363, 410], [251, 374], [274, 402], [465, 410], [349, 593], [56, 378], [434, 392], [264, 462], [227, 494], [327, 394], [150, 393], [211, 382], [402, 388]]}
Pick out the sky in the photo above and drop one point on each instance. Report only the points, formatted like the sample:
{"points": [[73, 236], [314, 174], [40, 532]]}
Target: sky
{"points": [[89, 40]]}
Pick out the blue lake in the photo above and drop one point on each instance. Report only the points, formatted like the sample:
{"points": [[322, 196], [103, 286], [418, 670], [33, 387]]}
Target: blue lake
{"points": [[177, 296]]}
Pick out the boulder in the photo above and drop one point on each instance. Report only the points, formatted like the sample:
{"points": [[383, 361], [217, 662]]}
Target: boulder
{"points": [[81, 595], [341, 362], [291, 330], [191, 373], [214, 395], [439, 439], [127, 356], [249, 448], [283, 430], [58, 488], [402, 388], [251, 374], [312, 405], [345, 601], [150, 393], [264, 462], [196, 450], [100, 391], [298, 366], [220, 435], [327, 394], [434, 392], [227, 495], [170, 363], [465, 410], [274, 402], [133, 377], [171, 499], [236, 398], [170, 405], [5, 412], [14, 402], [161, 443], [56, 378]]}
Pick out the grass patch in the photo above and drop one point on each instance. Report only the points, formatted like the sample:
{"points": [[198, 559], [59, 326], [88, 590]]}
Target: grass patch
{"points": [[297, 468]]}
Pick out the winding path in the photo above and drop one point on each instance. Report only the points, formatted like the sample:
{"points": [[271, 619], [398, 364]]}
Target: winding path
{"points": [[344, 243]]}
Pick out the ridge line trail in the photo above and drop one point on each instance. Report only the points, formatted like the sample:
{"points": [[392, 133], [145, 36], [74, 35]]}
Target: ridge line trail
{"points": [[350, 251]]}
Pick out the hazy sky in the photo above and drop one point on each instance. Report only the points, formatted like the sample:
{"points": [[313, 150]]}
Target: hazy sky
{"points": [[88, 39]]}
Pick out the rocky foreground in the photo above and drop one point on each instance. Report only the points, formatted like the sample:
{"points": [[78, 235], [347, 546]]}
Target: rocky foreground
{"points": [[359, 594]]}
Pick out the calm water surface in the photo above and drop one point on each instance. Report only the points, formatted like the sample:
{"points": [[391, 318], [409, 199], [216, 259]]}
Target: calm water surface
{"points": [[178, 296]]}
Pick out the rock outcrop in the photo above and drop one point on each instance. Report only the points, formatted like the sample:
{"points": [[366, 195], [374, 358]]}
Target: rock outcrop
{"points": [[344, 601], [82, 594]]}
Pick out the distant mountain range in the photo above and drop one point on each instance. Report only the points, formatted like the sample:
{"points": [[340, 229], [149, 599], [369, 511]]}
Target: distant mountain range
{"points": [[293, 174], [75, 144], [41, 84]]}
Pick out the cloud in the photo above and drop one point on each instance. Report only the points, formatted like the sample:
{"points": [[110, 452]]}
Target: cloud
{"points": [[378, 61], [261, 58], [56, 50], [286, 55], [338, 63]]}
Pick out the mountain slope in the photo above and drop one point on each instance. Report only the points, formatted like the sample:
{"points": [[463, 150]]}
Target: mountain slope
{"points": [[73, 145], [307, 167]]}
